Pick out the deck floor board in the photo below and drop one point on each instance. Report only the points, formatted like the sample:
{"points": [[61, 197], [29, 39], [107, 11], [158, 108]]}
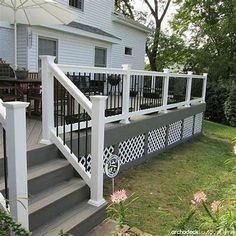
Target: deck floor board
{"points": [[33, 134]]}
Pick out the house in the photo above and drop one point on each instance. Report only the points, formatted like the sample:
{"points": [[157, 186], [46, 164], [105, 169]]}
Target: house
{"points": [[99, 37]]}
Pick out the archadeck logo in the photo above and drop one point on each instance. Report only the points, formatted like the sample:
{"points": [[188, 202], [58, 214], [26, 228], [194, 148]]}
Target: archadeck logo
{"points": [[185, 232]]}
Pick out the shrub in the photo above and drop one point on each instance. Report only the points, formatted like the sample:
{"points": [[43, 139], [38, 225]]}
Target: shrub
{"points": [[217, 94], [230, 107]]}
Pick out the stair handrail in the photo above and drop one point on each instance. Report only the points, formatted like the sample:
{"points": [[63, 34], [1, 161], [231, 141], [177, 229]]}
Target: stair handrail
{"points": [[95, 109]]}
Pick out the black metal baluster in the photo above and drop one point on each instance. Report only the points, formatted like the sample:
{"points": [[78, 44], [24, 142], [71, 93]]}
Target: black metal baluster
{"points": [[64, 115], [119, 95], [135, 95], [78, 132], [71, 124], [57, 106], [115, 106], [86, 141]]}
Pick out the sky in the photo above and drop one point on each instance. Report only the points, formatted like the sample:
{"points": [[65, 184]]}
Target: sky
{"points": [[140, 5]]}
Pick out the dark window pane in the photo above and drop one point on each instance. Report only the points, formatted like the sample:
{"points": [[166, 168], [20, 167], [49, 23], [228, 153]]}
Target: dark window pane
{"points": [[47, 47], [77, 4], [128, 51], [100, 57]]}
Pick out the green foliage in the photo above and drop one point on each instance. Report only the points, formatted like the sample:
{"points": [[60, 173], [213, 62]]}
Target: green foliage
{"points": [[172, 52], [119, 212], [217, 94], [210, 27], [7, 223], [230, 107]]}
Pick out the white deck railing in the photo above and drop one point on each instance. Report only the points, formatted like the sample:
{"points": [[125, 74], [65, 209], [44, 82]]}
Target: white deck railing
{"points": [[136, 93]]}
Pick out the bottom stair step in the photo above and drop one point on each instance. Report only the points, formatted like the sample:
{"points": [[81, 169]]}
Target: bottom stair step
{"points": [[77, 221]]}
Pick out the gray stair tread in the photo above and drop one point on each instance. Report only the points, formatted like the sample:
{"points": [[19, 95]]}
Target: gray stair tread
{"points": [[68, 220], [48, 196], [42, 169]]}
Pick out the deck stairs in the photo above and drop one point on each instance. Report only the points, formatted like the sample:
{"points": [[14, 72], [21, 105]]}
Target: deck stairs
{"points": [[58, 197]]}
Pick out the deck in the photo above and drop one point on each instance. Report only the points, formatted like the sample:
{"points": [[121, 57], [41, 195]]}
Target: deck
{"points": [[33, 135]]}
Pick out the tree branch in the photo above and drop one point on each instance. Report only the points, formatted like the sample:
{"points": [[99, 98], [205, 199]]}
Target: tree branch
{"points": [[150, 7], [165, 10]]}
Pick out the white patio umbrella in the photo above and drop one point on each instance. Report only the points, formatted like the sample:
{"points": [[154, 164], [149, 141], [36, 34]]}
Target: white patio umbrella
{"points": [[34, 12]]}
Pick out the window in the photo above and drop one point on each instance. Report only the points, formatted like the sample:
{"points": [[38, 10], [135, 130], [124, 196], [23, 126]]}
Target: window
{"points": [[128, 51], [100, 57], [47, 47], [77, 4]]}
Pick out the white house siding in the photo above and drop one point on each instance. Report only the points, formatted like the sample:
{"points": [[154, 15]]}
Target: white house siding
{"points": [[6, 44], [72, 49], [96, 13], [132, 38]]}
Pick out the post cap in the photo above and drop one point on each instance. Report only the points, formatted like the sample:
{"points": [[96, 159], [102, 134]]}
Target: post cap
{"points": [[166, 70], [205, 74], [48, 58], [126, 66], [15, 105], [98, 98], [190, 72]]}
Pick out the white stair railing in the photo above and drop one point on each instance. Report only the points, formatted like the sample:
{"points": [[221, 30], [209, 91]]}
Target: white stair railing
{"points": [[95, 109]]}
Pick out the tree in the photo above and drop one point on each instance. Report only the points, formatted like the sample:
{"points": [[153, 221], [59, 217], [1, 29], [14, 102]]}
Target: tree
{"points": [[153, 41], [212, 27], [172, 53], [125, 7]]}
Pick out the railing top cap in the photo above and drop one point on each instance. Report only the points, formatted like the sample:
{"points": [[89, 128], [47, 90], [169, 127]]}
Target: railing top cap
{"points": [[15, 105]]}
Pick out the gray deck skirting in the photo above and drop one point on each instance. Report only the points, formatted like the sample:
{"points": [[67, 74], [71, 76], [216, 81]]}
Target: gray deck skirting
{"points": [[149, 122]]}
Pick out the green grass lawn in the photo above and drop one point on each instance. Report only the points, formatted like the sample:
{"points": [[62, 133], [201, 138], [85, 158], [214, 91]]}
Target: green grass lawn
{"points": [[165, 184]]}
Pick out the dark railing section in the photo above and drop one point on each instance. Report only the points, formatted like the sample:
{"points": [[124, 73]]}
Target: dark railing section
{"points": [[6, 190], [197, 87], [110, 85], [152, 92], [114, 91], [72, 123], [177, 90]]}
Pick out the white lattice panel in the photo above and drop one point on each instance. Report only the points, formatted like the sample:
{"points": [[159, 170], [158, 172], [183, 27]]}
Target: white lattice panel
{"points": [[188, 127], [131, 149], [156, 139], [108, 151], [106, 154], [198, 123], [174, 132], [83, 162]]}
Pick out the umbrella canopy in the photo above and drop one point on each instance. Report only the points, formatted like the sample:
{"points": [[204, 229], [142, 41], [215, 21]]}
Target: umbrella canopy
{"points": [[35, 12]]}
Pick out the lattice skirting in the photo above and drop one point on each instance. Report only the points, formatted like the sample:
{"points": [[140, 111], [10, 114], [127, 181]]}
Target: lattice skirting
{"points": [[153, 141]]}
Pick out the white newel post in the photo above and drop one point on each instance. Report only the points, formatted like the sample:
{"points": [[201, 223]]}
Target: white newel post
{"points": [[97, 147], [189, 89], [47, 99], [166, 89], [17, 160], [204, 88], [126, 91]]}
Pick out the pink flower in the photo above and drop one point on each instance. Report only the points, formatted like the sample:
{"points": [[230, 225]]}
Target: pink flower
{"points": [[215, 206], [119, 196], [198, 197]]}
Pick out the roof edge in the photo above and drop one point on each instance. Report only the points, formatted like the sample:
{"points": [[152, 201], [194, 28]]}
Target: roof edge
{"points": [[120, 18], [81, 33]]}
